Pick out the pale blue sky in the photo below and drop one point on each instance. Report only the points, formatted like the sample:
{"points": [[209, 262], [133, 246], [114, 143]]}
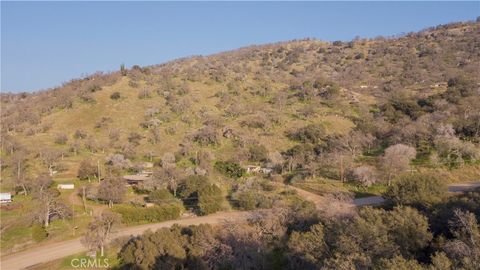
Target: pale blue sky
{"points": [[47, 43]]}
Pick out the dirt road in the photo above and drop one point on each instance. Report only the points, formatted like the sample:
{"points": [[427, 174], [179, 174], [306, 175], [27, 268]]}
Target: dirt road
{"points": [[50, 252], [53, 251]]}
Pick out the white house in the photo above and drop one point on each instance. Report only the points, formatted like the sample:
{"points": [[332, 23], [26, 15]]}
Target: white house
{"points": [[66, 186], [258, 169], [266, 170], [5, 197]]}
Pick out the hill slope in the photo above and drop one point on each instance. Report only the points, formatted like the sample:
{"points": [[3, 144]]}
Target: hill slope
{"points": [[396, 90]]}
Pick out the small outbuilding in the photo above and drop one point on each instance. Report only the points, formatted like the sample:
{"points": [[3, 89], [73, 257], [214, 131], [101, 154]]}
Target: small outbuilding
{"points": [[5, 197], [136, 179], [66, 186]]}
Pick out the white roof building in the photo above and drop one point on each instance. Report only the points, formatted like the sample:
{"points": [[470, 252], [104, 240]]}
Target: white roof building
{"points": [[66, 186], [5, 197]]}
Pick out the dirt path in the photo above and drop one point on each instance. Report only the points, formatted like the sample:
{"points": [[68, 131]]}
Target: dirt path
{"points": [[54, 251], [75, 199], [327, 205]]}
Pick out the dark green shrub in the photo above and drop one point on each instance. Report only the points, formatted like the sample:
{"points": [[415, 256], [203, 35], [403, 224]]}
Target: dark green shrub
{"points": [[359, 56], [312, 133], [203, 197], [161, 196], [191, 185], [134, 214], [230, 169], [95, 88], [250, 200], [417, 189], [458, 88], [407, 106], [210, 200], [257, 153], [247, 201], [337, 43], [39, 233], [115, 95]]}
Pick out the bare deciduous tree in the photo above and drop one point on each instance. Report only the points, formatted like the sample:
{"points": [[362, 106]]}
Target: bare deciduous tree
{"points": [[365, 175], [99, 230], [50, 157], [18, 162], [87, 170], [168, 176], [397, 159], [355, 142], [155, 135], [50, 206], [112, 190], [168, 160]]}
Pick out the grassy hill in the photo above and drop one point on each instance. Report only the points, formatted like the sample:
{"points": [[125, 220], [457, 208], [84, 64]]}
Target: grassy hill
{"points": [[271, 88]]}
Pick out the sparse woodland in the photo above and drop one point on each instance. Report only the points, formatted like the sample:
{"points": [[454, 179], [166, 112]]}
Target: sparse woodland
{"points": [[398, 117]]}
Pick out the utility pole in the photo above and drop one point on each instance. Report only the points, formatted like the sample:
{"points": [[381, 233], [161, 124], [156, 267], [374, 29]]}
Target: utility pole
{"points": [[84, 199], [73, 218]]}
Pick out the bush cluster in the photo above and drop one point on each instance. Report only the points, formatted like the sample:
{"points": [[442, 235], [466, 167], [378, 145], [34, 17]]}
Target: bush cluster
{"points": [[230, 169], [134, 214], [39, 233]]}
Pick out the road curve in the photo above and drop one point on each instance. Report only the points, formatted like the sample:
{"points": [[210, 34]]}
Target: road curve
{"points": [[454, 188], [463, 187], [54, 251]]}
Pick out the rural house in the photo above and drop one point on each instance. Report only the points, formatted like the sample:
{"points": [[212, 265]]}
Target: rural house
{"points": [[135, 179]]}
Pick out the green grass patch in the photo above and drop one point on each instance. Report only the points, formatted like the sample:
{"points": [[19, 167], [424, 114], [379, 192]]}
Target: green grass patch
{"points": [[140, 215], [361, 191], [321, 186], [15, 234]]}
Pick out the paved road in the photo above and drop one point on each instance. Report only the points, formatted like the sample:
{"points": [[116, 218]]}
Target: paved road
{"points": [[372, 200], [463, 187], [376, 200], [53, 251]]}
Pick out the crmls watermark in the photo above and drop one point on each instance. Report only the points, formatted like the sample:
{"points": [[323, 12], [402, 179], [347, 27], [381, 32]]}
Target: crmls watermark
{"points": [[89, 263]]}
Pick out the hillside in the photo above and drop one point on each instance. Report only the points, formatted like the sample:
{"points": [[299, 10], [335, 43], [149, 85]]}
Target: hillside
{"points": [[260, 93], [330, 117]]}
